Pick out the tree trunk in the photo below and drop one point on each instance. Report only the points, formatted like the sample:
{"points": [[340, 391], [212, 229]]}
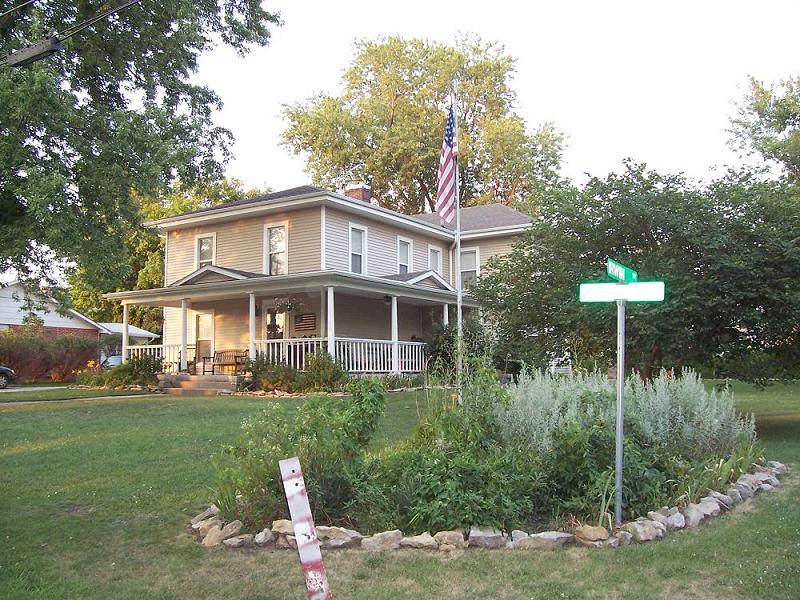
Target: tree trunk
{"points": [[649, 361]]}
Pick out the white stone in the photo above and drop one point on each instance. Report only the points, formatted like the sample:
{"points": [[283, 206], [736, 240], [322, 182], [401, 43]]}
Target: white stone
{"points": [[709, 508], [693, 515], [283, 527], [451, 538], [338, 537], [545, 540], [486, 537], [745, 491], [239, 541], [676, 521], [776, 466], [518, 534], [624, 537], [211, 511], [264, 538], [724, 499], [424, 541], [642, 531], [381, 542], [658, 517], [766, 487], [202, 527], [734, 495]]}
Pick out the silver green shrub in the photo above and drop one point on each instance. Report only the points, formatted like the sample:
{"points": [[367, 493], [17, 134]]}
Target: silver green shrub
{"points": [[677, 414], [542, 404]]}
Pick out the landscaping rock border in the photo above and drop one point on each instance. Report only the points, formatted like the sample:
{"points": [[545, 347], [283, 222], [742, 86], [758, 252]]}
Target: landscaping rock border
{"points": [[211, 530]]}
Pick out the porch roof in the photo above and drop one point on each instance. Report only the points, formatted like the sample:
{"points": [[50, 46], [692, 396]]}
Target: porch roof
{"points": [[236, 284]]}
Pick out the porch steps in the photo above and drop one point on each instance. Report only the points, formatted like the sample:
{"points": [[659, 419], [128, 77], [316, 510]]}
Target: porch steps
{"points": [[183, 384]]}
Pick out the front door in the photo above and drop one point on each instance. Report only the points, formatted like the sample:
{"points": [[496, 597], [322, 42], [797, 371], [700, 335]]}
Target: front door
{"points": [[204, 336]]}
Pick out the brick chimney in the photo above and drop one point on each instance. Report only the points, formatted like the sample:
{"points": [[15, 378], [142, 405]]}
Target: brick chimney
{"points": [[359, 191]]}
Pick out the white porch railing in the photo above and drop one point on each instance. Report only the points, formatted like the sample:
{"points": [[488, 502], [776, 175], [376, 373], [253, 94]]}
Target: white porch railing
{"points": [[364, 356], [356, 355], [412, 357], [169, 354], [290, 351]]}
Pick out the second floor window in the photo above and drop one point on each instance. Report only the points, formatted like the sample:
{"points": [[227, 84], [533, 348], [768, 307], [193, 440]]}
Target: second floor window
{"points": [[403, 256], [205, 251], [469, 266], [358, 243], [275, 261], [435, 260]]}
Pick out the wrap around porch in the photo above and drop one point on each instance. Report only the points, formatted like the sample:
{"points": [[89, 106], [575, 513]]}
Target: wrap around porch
{"points": [[364, 328]]}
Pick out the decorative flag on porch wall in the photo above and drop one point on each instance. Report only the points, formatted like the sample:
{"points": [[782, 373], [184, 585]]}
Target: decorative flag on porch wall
{"points": [[305, 322], [446, 179]]}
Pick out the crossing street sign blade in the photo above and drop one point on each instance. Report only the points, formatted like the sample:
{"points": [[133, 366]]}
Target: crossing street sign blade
{"points": [[643, 291], [616, 270]]}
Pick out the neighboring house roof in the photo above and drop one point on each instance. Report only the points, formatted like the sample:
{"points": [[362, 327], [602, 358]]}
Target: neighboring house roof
{"points": [[133, 331], [478, 218], [420, 276], [477, 221]]}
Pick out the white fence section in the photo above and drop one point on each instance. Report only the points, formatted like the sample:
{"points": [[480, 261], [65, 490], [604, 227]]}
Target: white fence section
{"points": [[364, 356], [170, 354], [290, 351], [412, 357]]}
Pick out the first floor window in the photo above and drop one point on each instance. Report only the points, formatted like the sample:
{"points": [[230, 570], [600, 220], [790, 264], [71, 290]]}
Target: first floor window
{"points": [[205, 251], [276, 250], [357, 246], [403, 256], [435, 260], [469, 266]]}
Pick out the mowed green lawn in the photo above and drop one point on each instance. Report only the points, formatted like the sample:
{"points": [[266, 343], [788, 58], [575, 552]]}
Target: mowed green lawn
{"points": [[94, 497]]}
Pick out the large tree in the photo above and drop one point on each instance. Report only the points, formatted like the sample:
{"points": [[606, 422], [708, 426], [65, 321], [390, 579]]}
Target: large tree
{"points": [[768, 123], [729, 254], [115, 114], [145, 252], [386, 127]]}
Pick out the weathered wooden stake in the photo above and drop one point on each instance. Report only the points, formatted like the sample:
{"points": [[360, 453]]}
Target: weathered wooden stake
{"points": [[303, 524]]}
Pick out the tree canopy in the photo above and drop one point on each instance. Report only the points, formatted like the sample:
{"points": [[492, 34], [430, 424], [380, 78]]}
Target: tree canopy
{"points": [[114, 116], [386, 128], [145, 252], [769, 123], [728, 252]]}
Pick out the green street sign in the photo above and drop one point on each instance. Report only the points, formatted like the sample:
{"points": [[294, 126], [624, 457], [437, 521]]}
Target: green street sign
{"points": [[616, 270]]}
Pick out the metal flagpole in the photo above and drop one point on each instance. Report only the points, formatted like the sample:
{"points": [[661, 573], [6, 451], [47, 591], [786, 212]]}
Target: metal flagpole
{"points": [[620, 407], [459, 323]]}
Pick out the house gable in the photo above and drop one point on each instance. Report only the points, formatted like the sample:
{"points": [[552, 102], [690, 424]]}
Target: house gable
{"points": [[214, 274]]}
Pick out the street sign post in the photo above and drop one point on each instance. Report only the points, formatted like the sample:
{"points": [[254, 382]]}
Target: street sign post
{"points": [[627, 289]]}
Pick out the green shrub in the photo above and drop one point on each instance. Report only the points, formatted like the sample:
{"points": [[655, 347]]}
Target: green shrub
{"points": [[441, 346], [323, 374], [139, 370], [329, 435]]}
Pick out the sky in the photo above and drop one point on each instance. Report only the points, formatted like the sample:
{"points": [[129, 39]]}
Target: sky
{"points": [[654, 81]]}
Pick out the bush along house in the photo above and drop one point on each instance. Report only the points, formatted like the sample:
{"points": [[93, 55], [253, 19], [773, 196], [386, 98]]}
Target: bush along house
{"points": [[305, 269]]}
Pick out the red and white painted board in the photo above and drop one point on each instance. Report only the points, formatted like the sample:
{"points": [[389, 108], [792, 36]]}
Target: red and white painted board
{"points": [[303, 524]]}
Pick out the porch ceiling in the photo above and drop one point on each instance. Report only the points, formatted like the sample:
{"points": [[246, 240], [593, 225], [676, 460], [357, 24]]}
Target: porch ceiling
{"points": [[347, 283]]}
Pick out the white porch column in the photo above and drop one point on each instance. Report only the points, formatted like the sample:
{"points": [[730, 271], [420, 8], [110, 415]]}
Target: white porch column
{"points": [[322, 311], [251, 347], [330, 325], [125, 321], [395, 338], [445, 314], [184, 334]]}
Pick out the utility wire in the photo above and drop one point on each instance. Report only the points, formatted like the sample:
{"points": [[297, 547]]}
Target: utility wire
{"points": [[70, 31], [17, 7]]}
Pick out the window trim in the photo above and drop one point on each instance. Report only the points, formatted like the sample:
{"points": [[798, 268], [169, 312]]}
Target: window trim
{"points": [[265, 246], [440, 250], [197, 238], [365, 230], [477, 251], [410, 242]]}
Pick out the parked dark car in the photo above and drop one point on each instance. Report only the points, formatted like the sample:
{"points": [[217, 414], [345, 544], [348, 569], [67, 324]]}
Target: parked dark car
{"points": [[6, 376]]}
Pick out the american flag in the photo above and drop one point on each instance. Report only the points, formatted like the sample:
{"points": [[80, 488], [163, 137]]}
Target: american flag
{"points": [[446, 179]]}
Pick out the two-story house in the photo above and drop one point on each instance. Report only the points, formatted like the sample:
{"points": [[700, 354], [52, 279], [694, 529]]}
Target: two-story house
{"points": [[290, 272]]}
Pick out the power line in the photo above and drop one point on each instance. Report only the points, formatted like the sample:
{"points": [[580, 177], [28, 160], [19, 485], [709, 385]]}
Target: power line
{"points": [[53, 44], [17, 7]]}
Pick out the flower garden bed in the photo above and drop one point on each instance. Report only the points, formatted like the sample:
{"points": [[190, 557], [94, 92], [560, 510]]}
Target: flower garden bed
{"points": [[211, 530]]}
